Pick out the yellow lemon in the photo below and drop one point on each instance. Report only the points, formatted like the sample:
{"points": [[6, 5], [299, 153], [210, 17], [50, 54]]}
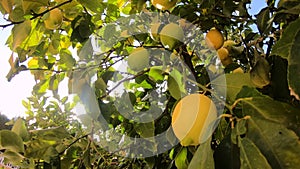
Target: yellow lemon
{"points": [[193, 119], [214, 39], [223, 54], [164, 4]]}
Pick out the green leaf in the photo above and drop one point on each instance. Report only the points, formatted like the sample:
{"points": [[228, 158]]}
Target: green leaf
{"points": [[288, 47], [51, 134], [12, 157], [66, 59], [94, 6], [251, 157], [41, 149], [176, 85], [203, 157], [289, 42], [11, 141], [272, 128], [234, 83], [181, 159], [263, 21], [156, 73], [145, 129], [20, 128], [20, 32]]}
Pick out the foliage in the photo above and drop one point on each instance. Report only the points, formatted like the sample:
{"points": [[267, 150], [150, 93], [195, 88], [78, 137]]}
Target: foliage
{"points": [[260, 121]]}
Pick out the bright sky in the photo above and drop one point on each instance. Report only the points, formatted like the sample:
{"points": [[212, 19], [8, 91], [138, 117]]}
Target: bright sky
{"points": [[12, 93]]}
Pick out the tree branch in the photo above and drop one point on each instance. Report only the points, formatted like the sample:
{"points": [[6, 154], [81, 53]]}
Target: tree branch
{"points": [[36, 15]]}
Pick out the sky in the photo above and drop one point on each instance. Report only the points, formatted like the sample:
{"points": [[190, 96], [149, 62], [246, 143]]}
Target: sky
{"points": [[19, 88]]}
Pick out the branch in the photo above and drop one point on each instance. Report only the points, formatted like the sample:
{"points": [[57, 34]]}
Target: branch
{"points": [[60, 153], [36, 15], [124, 80]]}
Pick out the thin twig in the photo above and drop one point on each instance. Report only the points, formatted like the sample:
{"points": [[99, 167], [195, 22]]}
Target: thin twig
{"points": [[36, 15]]}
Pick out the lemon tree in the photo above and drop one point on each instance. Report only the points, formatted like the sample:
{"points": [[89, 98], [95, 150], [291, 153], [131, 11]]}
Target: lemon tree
{"points": [[152, 77]]}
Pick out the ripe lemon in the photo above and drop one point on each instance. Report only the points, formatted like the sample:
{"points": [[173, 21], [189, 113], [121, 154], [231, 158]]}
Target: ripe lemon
{"points": [[193, 119], [171, 36], [223, 54], [54, 19], [214, 39], [164, 4], [238, 70], [138, 59]]}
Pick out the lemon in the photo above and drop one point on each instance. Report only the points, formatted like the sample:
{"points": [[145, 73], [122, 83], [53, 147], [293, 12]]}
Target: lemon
{"points": [[171, 36], [214, 39], [138, 59], [223, 54], [193, 119], [54, 19], [164, 4], [238, 70]]}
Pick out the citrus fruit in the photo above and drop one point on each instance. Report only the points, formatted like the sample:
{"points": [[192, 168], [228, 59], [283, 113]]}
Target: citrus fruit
{"points": [[171, 36], [214, 39], [193, 119], [223, 54], [164, 4], [138, 59], [54, 19], [238, 70]]}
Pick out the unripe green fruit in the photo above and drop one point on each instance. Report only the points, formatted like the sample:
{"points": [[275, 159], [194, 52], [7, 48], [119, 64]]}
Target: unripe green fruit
{"points": [[171, 36], [139, 59]]}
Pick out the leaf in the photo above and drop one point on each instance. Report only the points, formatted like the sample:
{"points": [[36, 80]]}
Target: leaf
{"points": [[66, 59], [176, 85], [12, 157], [233, 85], [263, 20], [11, 141], [251, 157], [53, 83], [181, 159], [20, 128], [33, 5], [41, 149], [7, 5], [94, 6], [273, 129], [203, 157], [288, 47], [259, 74], [20, 32], [145, 129], [156, 73], [51, 134], [227, 154]]}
